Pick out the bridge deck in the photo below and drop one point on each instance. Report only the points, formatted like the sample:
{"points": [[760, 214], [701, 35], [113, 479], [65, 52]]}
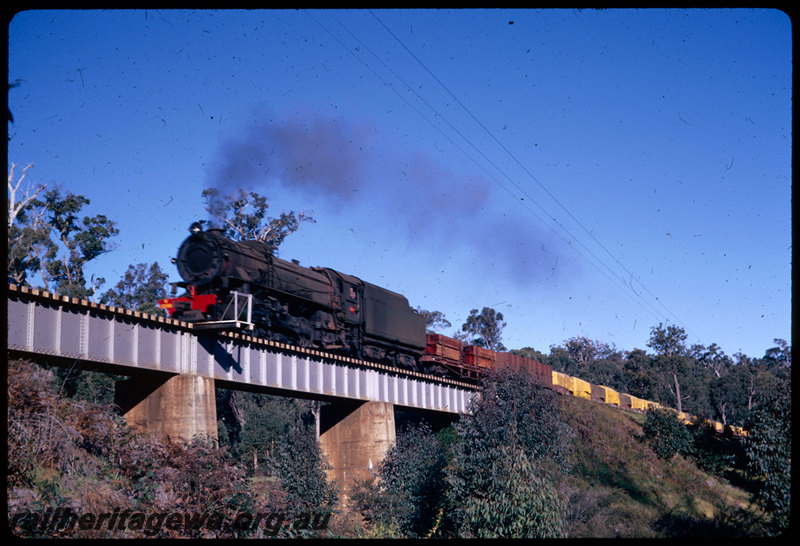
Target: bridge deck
{"points": [[41, 324]]}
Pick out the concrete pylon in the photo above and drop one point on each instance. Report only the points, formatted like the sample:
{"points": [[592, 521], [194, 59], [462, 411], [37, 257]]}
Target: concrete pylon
{"points": [[355, 437], [174, 408]]}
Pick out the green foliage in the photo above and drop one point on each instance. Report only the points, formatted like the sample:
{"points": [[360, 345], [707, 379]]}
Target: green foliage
{"points": [[83, 241], [434, 320], [86, 385], [243, 216], [278, 436], [713, 453], [728, 396], [510, 413], [640, 377], [484, 329], [298, 463], [518, 502], [768, 449], [713, 357], [28, 232], [252, 422], [409, 492], [780, 355], [667, 340], [48, 236], [666, 434], [139, 289], [533, 354]]}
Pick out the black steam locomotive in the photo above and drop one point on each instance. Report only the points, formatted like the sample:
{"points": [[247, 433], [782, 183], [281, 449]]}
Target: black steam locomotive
{"points": [[307, 307]]}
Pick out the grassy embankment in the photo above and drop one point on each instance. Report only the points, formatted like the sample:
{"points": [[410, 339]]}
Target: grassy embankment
{"points": [[618, 487]]}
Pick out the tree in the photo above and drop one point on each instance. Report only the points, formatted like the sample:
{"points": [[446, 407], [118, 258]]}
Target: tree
{"points": [[533, 354], [82, 242], [18, 203], [139, 289], [666, 434], [434, 320], [669, 344], [782, 354], [768, 449], [584, 350], [28, 232], [725, 392], [410, 488], [640, 377], [519, 502], [297, 461], [592, 360], [243, 216], [47, 235], [511, 414], [712, 358], [485, 329], [668, 340]]}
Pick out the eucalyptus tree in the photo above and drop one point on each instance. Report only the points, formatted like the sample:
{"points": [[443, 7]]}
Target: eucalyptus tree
{"points": [[484, 329], [669, 343]]}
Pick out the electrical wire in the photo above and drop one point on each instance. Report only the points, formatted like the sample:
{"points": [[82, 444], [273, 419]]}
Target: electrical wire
{"points": [[629, 290]]}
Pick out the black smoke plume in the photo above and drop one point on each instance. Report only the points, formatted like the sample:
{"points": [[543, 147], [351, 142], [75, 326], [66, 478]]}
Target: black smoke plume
{"points": [[335, 163]]}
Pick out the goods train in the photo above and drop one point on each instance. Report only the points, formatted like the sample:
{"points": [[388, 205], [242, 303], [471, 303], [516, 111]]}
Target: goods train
{"points": [[335, 312]]}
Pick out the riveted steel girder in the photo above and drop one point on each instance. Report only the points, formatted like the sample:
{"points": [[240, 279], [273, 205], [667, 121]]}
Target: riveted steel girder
{"points": [[42, 324]]}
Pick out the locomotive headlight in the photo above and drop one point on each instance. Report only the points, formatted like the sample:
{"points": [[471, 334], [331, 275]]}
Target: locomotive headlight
{"points": [[196, 227]]}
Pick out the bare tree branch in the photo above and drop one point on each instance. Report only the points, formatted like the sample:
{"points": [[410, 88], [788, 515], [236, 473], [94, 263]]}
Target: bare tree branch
{"points": [[14, 207]]}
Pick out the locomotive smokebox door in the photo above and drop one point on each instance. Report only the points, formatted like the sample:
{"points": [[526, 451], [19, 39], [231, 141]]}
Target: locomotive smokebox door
{"points": [[199, 258]]}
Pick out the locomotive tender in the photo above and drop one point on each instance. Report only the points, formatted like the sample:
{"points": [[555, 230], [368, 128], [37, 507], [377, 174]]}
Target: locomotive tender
{"points": [[308, 307]]}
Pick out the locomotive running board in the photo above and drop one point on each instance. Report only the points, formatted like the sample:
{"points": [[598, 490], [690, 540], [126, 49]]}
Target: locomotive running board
{"points": [[223, 325]]}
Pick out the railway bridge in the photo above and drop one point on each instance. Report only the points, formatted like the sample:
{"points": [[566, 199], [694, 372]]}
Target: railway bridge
{"points": [[174, 367]]}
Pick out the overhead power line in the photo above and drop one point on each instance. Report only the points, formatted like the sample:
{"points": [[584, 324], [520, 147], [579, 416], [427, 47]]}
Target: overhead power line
{"points": [[627, 284]]}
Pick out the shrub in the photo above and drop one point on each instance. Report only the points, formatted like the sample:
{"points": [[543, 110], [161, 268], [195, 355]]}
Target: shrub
{"points": [[514, 432], [518, 503], [769, 454], [299, 464], [666, 434], [409, 493], [709, 450]]}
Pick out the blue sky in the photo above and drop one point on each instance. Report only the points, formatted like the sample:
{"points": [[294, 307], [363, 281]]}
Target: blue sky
{"points": [[586, 173]]}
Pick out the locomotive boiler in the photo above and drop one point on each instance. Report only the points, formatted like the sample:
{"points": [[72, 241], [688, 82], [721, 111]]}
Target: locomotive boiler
{"points": [[307, 307]]}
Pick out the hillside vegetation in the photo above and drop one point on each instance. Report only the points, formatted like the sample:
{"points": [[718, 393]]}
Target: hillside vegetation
{"points": [[67, 453], [618, 487]]}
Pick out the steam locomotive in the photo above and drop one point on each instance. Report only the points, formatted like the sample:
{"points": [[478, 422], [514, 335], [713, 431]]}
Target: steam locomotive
{"points": [[307, 307]]}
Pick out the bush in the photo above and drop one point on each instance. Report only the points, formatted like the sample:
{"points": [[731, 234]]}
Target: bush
{"points": [[409, 493], [519, 502], [666, 434], [299, 464], [511, 414], [710, 450], [83, 457], [769, 455]]}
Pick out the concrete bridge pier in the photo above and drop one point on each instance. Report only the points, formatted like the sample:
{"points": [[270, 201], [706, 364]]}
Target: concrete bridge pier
{"points": [[174, 408], [355, 437]]}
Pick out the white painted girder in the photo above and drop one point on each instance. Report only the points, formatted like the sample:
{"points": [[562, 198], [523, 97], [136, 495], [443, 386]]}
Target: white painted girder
{"points": [[40, 323]]}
